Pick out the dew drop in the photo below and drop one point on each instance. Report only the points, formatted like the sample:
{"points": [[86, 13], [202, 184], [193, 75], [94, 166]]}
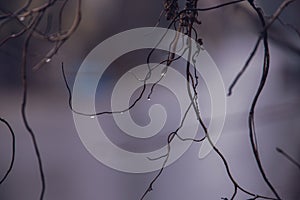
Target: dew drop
{"points": [[164, 71], [149, 99], [21, 18], [121, 113], [92, 117], [48, 60]]}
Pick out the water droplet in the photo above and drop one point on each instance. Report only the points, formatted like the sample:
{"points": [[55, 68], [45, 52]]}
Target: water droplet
{"points": [[92, 117], [149, 99], [121, 113], [21, 18], [13, 35], [48, 60], [164, 71]]}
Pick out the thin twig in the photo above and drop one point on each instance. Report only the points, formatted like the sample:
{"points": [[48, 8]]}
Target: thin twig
{"points": [[266, 26], [189, 78], [13, 150], [242, 71], [24, 104], [252, 133], [290, 158], [289, 26]]}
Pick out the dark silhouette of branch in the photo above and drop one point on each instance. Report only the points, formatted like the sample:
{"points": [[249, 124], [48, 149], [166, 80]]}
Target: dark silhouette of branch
{"points": [[58, 38], [266, 26], [292, 27], [24, 103], [275, 16], [174, 20], [234, 182], [170, 138], [263, 36], [103, 112], [169, 61], [241, 72], [217, 6], [266, 66], [190, 80], [20, 15], [290, 158], [183, 22], [61, 37], [197, 112], [30, 19], [178, 136], [148, 75], [150, 187], [252, 133], [13, 150]]}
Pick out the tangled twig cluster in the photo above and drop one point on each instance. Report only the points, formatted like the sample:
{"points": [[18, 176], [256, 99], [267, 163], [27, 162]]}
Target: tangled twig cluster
{"points": [[29, 20], [185, 20]]}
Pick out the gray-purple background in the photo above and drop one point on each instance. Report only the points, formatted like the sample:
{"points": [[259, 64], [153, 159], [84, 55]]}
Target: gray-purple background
{"points": [[229, 35]]}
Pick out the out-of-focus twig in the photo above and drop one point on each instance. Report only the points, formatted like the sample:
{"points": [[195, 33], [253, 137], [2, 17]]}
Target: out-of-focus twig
{"points": [[290, 158], [30, 21]]}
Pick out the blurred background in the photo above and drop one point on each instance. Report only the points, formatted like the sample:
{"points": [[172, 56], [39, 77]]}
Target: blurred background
{"points": [[229, 34]]}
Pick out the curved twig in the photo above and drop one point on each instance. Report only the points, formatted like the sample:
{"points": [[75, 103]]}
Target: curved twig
{"points": [[13, 150]]}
